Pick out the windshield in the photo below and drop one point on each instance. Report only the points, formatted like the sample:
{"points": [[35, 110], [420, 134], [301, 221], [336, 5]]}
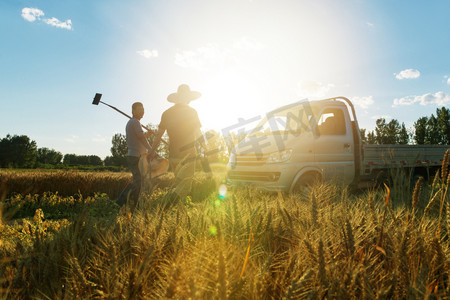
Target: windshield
{"points": [[293, 119]]}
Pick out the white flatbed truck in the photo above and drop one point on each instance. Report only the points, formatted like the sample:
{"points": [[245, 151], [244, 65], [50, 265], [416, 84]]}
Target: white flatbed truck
{"points": [[306, 141]]}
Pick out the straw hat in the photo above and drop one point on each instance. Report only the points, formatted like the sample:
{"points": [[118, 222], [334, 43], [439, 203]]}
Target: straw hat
{"points": [[183, 95]]}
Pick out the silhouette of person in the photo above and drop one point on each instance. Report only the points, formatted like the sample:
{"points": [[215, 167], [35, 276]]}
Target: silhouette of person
{"points": [[183, 128], [137, 146], [182, 125]]}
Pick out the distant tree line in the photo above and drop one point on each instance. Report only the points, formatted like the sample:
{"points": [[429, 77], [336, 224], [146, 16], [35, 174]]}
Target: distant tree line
{"points": [[433, 130], [19, 151], [86, 160]]}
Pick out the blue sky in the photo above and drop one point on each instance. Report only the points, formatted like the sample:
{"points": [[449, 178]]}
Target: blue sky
{"points": [[246, 57]]}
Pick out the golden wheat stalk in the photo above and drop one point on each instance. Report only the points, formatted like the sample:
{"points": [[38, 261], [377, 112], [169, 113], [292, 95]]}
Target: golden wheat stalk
{"points": [[444, 169], [443, 200], [322, 270], [435, 180], [380, 238], [416, 193], [247, 255], [350, 238], [314, 209]]}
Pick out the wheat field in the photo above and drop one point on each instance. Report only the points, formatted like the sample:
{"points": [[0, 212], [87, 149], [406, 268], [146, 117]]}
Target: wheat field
{"points": [[328, 243]]}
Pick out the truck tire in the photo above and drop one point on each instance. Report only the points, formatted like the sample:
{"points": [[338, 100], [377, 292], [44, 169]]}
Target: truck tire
{"points": [[305, 183]]}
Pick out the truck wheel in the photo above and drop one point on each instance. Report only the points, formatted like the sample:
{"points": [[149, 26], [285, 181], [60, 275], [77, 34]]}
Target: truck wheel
{"points": [[305, 183]]}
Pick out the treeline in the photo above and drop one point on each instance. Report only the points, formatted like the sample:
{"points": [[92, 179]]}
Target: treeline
{"points": [[433, 130], [19, 151]]}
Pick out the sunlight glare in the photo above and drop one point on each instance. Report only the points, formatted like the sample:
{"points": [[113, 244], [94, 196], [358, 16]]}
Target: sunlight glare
{"points": [[222, 191], [227, 97]]}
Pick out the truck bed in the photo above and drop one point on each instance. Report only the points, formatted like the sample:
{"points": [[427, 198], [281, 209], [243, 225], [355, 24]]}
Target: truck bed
{"points": [[382, 156]]}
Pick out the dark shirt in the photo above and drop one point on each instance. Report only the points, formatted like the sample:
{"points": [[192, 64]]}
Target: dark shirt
{"points": [[182, 123]]}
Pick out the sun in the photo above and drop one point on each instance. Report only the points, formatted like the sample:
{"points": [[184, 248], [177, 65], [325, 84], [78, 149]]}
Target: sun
{"points": [[226, 98]]}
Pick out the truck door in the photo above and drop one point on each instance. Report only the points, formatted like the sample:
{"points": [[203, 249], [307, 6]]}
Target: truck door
{"points": [[333, 146]]}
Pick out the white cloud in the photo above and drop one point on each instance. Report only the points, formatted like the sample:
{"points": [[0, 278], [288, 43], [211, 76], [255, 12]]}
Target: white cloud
{"points": [[148, 53], [439, 99], [31, 14], [59, 24], [408, 74], [448, 81], [363, 102], [311, 88], [215, 56], [371, 25]]}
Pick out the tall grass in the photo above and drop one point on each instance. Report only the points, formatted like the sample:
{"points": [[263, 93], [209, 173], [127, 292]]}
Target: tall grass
{"points": [[247, 245]]}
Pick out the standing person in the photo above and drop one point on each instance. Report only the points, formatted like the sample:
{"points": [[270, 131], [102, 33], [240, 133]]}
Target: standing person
{"points": [[137, 146], [183, 128]]}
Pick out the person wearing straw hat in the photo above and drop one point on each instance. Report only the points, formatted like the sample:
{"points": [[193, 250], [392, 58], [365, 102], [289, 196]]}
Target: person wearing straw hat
{"points": [[182, 125], [183, 128]]}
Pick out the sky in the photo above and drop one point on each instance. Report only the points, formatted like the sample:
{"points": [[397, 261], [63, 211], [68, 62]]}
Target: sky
{"points": [[246, 57]]}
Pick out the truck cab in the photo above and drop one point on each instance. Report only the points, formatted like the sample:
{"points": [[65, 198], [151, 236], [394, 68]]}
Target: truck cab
{"points": [[296, 144]]}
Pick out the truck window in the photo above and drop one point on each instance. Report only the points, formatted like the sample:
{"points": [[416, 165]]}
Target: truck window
{"points": [[332, 122]]}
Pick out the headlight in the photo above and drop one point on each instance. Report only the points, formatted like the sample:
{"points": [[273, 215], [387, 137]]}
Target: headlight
{"points": [[278, 157]]}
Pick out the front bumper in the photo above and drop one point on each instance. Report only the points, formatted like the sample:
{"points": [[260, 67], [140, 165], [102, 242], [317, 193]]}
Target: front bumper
{"points": [[268, 177]]}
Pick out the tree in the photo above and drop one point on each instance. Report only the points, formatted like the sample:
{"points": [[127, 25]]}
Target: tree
{"points": [[82, 160], [387, 133], [18, 152], [420, 128], [403, 136], [362, 133], [95, 160], [433, 136], [380, 131], [443, 117], [70, 159], [163, 148], [371, 139], [108, 161], [434, 129], [119, 150], [48, 156]]}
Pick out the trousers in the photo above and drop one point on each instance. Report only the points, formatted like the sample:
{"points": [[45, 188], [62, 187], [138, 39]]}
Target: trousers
{"points": [[131, 192]]}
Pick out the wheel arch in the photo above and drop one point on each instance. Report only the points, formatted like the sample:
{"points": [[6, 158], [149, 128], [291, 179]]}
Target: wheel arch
{"points": [[302, 172]]}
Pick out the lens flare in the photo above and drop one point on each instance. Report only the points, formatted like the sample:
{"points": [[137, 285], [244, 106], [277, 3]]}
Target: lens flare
{"points": [[223, 191], [212, 230]]}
